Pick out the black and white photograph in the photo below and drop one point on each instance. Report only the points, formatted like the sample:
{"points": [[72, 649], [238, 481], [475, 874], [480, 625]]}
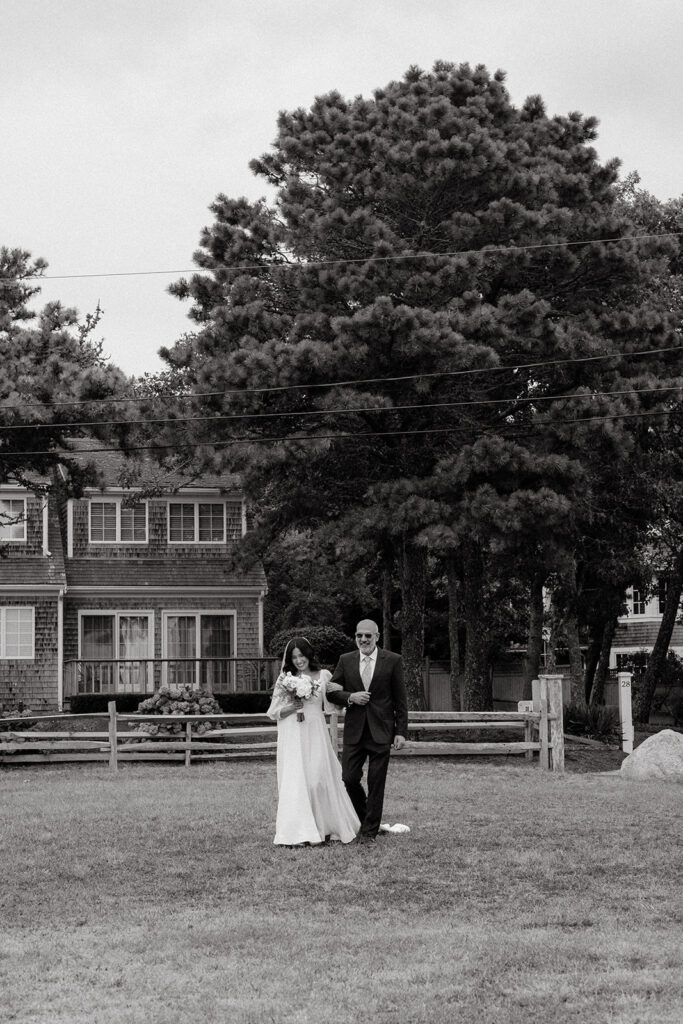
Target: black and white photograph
{"points": [[341, 512]]}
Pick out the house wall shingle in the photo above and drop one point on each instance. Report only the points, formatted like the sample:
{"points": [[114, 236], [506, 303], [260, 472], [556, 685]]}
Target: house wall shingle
{"points": [[33, 545], [33, 682]]}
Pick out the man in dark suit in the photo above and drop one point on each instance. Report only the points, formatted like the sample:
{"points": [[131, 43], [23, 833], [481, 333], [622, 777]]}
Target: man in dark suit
{"points": [[374, 694]]}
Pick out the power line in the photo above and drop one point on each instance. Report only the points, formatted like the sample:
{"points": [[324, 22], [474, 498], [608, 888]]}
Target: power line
{"points": [[313, 264], [355, 435], [349, 383], [231, 417]]}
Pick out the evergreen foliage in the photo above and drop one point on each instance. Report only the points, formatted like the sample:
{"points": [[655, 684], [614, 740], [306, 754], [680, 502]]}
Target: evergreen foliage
{"points": [[464, 261], [49, 360]]}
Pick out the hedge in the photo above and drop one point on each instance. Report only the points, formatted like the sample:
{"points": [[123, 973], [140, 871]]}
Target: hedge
{"points": [[248, 702], [92, 703], [327, 641]]}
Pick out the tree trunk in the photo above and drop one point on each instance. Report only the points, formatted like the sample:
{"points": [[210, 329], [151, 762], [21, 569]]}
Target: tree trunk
{"points": [[387, 576], [534, 647], [577, 693], [565, 627], [592, 659], [413, 582], [477, 684], [453, 585], [642, 697], [596, 694]]}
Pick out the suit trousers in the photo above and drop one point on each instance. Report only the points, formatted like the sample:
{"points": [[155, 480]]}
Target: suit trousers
{"points": [[368, 808]]}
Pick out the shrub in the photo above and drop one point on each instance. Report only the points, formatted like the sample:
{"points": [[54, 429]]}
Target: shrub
{"points": [[178, 700], [16, 711], [93, 703], [597, 721], [327, 642]]}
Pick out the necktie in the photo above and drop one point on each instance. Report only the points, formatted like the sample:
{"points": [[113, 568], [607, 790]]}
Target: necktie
{"points": [[366, 674]]}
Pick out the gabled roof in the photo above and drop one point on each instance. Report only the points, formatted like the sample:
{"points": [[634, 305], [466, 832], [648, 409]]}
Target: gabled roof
{"points": [[172, 572], [116, 469]]}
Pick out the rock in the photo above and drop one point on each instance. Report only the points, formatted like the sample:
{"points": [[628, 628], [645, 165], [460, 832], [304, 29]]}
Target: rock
{"points": [[658, 757]]}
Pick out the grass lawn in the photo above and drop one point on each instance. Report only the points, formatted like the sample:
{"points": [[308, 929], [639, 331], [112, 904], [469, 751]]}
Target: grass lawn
{"points": [[154, 894]]}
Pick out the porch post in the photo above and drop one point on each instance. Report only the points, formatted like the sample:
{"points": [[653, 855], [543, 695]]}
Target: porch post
{"points": [[60, 649]]}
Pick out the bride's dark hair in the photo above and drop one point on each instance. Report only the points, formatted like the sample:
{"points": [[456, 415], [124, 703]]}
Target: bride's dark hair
{"points": [[302, 643]]}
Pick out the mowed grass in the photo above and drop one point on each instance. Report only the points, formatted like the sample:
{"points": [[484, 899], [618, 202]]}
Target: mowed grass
{"points": [[154, 894]]}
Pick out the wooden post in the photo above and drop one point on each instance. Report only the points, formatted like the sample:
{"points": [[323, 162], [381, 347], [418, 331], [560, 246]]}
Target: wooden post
{"points": [[551, 691], [624, 680], [188, 743], [113, 751], [527, 739], [334, 731], [543, 755]]}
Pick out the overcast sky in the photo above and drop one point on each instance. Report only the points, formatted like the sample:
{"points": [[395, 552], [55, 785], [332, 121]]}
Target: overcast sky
{"points": [[122, 119]]}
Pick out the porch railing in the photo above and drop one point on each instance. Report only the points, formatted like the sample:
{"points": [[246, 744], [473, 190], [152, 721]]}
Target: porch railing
{"points": [[146, 675]]}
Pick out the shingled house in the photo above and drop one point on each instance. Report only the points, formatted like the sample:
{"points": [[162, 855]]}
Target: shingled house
{"points": [[636, 631], [32, 589], [116, 592]]}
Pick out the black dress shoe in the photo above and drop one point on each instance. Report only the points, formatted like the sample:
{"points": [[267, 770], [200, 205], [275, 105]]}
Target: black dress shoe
{"points": [[365, 840]]}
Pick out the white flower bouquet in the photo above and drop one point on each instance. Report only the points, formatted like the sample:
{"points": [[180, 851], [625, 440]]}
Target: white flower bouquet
{"points": [[302, 687]]}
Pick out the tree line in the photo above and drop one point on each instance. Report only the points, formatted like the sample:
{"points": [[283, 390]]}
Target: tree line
{"points": [[444, 359]]}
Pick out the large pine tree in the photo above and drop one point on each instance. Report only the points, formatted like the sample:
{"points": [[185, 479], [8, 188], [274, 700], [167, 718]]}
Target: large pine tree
{"points": [[54, 377], [424, 290]]}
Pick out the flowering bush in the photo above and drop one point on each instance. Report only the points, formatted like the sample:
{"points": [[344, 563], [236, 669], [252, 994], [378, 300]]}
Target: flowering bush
{"points": [[178, 700]]}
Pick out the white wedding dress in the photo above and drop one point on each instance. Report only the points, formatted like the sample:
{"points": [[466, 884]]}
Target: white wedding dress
{"points": [[313, 803]]}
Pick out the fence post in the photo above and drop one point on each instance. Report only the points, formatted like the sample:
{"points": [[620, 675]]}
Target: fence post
{"points": [[624, 680], [543, 754], [113, 749], [334, 731], [528, 754], [551, 691], [188, 743]]}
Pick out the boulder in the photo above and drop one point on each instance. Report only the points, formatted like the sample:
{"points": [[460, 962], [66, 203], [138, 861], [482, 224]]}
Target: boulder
{"points": [[658, 757]]}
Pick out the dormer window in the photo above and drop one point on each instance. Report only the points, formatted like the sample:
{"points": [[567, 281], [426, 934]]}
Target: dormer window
{"points": [[113, 522], [13, 519], [196, 522]]}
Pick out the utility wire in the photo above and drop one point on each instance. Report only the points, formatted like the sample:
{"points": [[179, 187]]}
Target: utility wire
{"points": [[343, 411], [291, 265], [355, 435], [348, 383]]}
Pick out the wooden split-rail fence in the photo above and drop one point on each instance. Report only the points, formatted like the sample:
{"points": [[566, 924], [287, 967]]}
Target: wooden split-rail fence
{"points": [[430, 733]]}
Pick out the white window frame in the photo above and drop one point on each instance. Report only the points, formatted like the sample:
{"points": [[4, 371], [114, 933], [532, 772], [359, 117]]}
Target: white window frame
{"points": [[118, 503], [195, 613], [21, 521], [196, 502], [116, 613], [4, 656]]}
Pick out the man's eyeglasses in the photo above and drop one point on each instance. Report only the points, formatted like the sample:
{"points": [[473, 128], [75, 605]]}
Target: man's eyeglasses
{"points": [[364, 636]]}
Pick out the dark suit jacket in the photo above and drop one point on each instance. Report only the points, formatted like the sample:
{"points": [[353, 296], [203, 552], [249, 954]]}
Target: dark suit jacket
{"points": [[387, 710]]}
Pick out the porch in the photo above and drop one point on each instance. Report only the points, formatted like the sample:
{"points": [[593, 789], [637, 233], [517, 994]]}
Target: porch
{"points": [[146, 675]]}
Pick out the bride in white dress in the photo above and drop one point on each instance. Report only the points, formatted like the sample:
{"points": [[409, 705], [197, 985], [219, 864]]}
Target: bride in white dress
{"points": [[313, 804]]}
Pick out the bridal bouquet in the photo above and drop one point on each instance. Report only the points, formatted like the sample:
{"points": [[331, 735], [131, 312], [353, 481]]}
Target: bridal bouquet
{"points": [[302, 687]]}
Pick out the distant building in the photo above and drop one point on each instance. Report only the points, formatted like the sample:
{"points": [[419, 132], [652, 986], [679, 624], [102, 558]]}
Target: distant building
{"points": [[122, 590]]}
